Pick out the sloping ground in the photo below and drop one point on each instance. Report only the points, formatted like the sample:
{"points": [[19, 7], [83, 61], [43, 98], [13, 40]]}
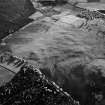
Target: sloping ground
{"points": [[29, 86], [68, 50]]}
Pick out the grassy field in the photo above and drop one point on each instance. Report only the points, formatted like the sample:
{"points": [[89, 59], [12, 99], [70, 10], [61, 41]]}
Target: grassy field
{"points": [[5, 76]]}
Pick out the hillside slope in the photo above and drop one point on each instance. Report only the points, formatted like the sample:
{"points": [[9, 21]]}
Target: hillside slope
{"points": [[67, 49]]}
